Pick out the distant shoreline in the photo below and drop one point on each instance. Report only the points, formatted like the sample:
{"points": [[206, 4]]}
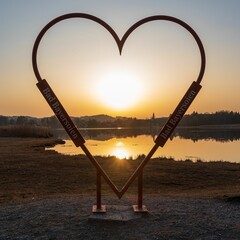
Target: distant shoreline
{"points": [[105, 121]]}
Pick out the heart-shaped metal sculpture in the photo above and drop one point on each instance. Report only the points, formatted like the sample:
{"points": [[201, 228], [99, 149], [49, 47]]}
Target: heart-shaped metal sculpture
{"points": [[69, 126]]}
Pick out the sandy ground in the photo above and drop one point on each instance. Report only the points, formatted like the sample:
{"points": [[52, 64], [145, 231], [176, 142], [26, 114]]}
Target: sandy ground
{"points": [[168, 218]]}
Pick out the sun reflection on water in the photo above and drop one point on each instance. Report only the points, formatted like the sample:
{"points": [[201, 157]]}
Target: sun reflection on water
{"points": [[180, 149], [120, 151]]}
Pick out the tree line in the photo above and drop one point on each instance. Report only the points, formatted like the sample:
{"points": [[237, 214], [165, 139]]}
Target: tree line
{"points": [[194, 119]]}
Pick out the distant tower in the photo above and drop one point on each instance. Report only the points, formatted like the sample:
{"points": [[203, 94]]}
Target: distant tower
{"points": [[153, 116]]}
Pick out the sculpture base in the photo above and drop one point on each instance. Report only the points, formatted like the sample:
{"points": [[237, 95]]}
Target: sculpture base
{"points": [[116, 213], [103, 209], [136, 209]]}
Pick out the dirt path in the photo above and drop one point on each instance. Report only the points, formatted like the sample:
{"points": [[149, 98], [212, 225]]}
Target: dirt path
{"points": [[168, 218]]}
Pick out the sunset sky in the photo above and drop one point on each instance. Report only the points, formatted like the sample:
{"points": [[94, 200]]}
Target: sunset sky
{"points": [[81, 62]]}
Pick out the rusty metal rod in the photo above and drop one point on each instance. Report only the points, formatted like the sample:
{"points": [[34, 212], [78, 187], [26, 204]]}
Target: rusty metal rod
{"points": [[140, 189], [99, 202], [100, 170], [139, 169]]}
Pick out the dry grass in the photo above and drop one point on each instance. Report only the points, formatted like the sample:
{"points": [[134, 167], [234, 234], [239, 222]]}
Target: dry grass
{"points": [[27, 171], [25, 131]]}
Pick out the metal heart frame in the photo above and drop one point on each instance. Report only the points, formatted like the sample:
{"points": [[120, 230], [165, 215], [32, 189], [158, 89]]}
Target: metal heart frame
{"points": [[71, 129]]}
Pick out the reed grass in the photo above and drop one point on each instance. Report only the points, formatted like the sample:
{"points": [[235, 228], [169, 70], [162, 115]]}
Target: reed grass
{"points": [[25, 131]]}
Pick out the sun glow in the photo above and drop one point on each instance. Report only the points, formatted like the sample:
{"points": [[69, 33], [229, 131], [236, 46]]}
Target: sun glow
{"points": [[120, 151], [119, 90]]}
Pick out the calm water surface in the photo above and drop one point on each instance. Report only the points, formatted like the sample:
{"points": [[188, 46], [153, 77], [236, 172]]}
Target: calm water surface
{"points": [[215, 145]]}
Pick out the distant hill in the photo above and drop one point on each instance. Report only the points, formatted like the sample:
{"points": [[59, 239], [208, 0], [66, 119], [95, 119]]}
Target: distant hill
{"points": [[99, 118]]}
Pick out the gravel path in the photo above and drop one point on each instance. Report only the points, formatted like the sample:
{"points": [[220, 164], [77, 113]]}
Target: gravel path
{"points": [[168, 218]]}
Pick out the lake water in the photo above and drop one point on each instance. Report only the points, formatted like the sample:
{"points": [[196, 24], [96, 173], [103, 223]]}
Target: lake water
{"points": [[205, 144]]}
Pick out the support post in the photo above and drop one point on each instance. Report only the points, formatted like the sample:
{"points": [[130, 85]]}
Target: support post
{"points": [[140, 207], [99, 208], [99, 183], [140, 190]]}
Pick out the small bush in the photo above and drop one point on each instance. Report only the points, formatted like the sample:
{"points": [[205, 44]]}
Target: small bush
{"points": [[140, 157]]}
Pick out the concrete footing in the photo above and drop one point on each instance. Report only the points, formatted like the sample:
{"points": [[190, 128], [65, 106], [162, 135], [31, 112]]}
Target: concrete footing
{"points": [[116, 213]]}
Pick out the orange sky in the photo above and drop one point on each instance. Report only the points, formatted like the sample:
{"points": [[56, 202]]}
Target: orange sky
{"points": [[80, 59]]}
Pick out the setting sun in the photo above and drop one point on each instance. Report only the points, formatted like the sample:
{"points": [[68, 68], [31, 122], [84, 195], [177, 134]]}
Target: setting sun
{"points": [[119, 90]]}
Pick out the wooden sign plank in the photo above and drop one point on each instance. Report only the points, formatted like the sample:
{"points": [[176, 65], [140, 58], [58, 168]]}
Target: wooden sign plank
{"points": [[60, 113], [178, 113]]}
